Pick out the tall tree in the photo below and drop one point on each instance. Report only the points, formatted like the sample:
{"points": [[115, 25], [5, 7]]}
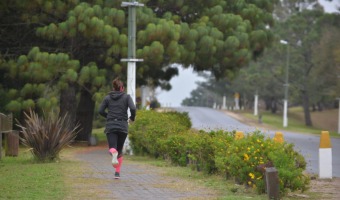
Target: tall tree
{"points": [[31, 80], [220, 36], [325, 55]]}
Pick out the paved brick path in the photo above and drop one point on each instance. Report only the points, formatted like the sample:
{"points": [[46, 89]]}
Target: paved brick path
{"points": [[138, 181]]}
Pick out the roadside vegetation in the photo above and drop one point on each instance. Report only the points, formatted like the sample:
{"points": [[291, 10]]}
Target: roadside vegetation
{"points": [[327, 120], [218, 152], [23, 177]]}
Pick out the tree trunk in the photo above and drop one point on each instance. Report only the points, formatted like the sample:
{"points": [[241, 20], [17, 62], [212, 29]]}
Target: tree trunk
{"points": [[85, 113], [313, 107], [273, 105], [68, 104], [267, 102], [320, 107], [305, 104]]}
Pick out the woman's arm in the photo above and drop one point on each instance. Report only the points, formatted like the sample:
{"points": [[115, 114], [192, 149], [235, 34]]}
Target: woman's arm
{"points": [[102, 108]]}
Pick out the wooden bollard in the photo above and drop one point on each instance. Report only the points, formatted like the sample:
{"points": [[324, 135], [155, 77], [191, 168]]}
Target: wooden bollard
{"points": [[278, 137], [325, 156], [239, 135], [272, 183], [12, 143]]}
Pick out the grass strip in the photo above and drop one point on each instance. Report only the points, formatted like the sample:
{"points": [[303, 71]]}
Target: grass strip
{"points": [[294, 124], [22, 178]]}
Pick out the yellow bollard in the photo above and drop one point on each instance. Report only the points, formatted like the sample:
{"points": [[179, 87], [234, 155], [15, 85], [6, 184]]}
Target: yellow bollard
{"points": [[239, 135], [325, 156], [325, 141], [278, 137]]}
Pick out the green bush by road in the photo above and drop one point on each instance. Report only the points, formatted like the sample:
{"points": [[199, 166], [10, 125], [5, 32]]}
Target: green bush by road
{"points": [[168, 135]]}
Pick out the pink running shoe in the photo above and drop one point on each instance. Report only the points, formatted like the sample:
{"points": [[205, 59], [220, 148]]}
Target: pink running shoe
{"points": [[114, 154]]}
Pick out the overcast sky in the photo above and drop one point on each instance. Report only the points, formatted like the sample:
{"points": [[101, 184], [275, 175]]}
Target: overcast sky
{"points": [[183, 84]]}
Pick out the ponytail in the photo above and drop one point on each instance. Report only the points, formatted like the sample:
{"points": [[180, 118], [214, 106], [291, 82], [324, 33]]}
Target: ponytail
{"points": [[117, 85]]}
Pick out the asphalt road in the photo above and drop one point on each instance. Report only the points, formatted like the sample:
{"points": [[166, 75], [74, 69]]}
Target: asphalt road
{"points": [[306, 144]]}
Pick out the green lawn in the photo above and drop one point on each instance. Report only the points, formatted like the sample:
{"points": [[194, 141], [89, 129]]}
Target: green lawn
{"points": [[21, 178], [295, 121]]}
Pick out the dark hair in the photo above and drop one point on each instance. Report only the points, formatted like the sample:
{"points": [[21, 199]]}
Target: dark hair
{"points": [[117, 85]]}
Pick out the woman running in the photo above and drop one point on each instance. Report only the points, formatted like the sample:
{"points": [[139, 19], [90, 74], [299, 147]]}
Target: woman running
{"points": [[117, 103]]}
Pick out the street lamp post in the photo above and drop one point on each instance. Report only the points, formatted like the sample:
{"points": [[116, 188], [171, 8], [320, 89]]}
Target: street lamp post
{"points": [[131, 60], [131, 72], [286, 85]]}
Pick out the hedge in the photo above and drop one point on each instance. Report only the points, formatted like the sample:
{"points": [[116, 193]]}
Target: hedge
{"points": [[169, 135]]}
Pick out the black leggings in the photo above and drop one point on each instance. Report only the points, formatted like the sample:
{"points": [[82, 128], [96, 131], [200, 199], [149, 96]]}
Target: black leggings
{"points": [[116, 140]]}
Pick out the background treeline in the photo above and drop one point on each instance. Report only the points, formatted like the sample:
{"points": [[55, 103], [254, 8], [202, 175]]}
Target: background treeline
{"points": [[314, 59]]}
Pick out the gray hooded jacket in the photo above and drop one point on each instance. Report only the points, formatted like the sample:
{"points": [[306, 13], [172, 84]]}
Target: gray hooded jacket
{"points": [[117, 104]]}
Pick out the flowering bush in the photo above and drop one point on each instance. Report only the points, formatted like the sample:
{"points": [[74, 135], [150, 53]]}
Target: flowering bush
{"points": [[169, 135], [244, 156], [200, 150]]}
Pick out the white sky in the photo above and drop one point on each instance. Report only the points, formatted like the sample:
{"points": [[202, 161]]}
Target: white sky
{"points": [[185, 82], [330, 6], [182, 85]]}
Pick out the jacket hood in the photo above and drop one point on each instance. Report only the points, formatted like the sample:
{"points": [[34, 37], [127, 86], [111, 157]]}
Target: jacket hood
{"points": [[116, 95]]}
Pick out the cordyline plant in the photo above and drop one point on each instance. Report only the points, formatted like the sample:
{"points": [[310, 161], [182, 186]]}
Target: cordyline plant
{"points": [[46, 136]]}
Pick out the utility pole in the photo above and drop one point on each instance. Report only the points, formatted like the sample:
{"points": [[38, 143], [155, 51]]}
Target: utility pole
{"points": [[131, 60], [256, 97], [286, 85]]}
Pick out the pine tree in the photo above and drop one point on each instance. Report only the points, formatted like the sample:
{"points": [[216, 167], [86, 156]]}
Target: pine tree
{"points": [[220, 36]]}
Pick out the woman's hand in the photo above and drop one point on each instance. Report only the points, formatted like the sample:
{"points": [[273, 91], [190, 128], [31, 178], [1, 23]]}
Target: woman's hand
{"points": [[130, 121]]}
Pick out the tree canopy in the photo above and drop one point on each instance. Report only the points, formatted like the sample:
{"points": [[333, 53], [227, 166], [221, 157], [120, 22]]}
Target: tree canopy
{"points": [[71, 49], [313, 62]]}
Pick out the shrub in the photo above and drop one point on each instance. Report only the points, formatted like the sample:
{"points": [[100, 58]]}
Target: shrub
{"points": [[151, 128], [244, 155], [241, 159], [46, 136], [174, 149], [222, 141], [200, 151], [168, 135], [290, 165]]}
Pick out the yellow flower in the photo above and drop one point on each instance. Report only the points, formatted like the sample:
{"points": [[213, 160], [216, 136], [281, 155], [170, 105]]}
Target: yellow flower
{"points": [[246, 157], [249, 182], [252, 176]]}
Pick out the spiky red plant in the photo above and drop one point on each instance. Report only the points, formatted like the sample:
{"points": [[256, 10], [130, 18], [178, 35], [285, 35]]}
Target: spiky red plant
{"points": [[46, 136]]}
